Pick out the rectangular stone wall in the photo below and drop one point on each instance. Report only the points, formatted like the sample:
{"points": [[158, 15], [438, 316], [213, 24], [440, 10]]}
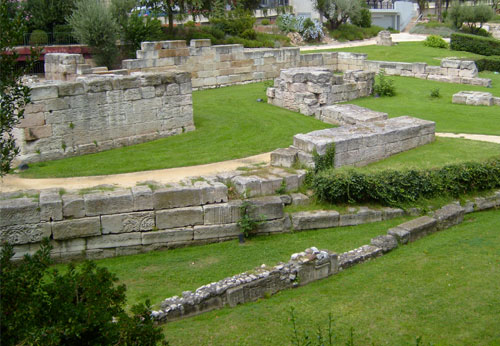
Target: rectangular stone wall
{"points": [[99, 113], [214, 66]]}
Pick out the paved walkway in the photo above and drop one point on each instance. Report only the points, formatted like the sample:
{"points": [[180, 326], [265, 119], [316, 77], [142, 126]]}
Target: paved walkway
{"points": [[14, 182]]}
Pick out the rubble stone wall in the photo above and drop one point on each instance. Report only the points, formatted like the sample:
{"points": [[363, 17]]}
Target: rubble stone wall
{"points": [[475, 98], [220, 65], [99, 113]]}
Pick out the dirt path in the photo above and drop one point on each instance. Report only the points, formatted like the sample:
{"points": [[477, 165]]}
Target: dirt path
{"points": [[14, 182]]}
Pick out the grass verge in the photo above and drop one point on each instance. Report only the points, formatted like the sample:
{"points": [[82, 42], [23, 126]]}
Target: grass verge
{"points": [[443, 288]]}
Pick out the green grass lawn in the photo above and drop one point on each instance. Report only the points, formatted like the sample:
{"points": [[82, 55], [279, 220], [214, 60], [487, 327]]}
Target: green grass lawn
{"points": [[443, 288], [230, 124], [413, 98], [404, 52]]}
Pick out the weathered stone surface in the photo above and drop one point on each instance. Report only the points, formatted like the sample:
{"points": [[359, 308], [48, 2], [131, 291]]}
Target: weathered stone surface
{"points": [[222, 213], [179, 217], [364, 215], [69, 246], [385, 242], [299, 199], [18, 211], [143, 197], [114, 240], [24, 234], [68, 229], [267, 208], [168, 236], [176, 197], [359, 255], [73, 206], [108, 202], [129, 222], [315, 219], [347, 114], [51, 206], [391, 213], [474, 98], [384, 38], [274, 226], [284, 157], [419, 227], [230, 230], [402, 235], [449, 215]]}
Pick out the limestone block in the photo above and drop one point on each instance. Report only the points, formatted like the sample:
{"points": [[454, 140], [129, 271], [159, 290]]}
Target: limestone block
{"points": [[176, 197], [364, 215], [37, 132], [401, 235], [222, 213], [108, 202], [267, 208], [450, 63], [230, 230], [484, 203], [213, 192], [19, 211], [299, 199], [130, 222], [51, 206], [43, 92], [284, 157], [199, 43], [73, 206], [68, 246], [385, 242], [143, 197], [359, 255], [71, 89], [126, 82], [79, 228], [98, 85], [32, 120], [419, 227], [315, 219], [169, 236], [24, 234], [449, 215], [114, 240], [274, 226], [179, 217], [247, 186], [391, 213]]}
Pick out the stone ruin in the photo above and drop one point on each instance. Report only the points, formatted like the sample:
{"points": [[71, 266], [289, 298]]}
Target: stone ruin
{"points": [[475, 98], [384, 38], [308, 89]]}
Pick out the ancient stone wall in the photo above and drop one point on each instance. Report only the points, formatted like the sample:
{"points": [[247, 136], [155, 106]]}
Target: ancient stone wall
{"points": [[99, 113], [475, 98], [308, 89], [214, 66]]}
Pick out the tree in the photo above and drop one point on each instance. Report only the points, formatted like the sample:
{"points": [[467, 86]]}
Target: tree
{"points": [[46, 14], [94, 25], [422, 5], [338, 12], [14, 96], [40, 306]]}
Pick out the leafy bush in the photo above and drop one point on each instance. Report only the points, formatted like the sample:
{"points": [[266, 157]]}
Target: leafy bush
{"points": [[249, 34], [364, 19], [475, 44], [287, 23], [312, 30], [490, 63], [309, 29], [137, 30], [234, 22], [349, 32], [265, 21], [435, 41], [475, 31], [80, 307], [94, 25], [435, 93], [384, 86], [433, 28], [470, 15], [395, 188], [39, 37]]}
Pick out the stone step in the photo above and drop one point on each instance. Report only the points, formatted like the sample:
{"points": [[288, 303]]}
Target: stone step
{"points": [[348, 114]]}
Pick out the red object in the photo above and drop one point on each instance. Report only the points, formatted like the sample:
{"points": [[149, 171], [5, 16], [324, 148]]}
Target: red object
{"points": [[24, 51]]}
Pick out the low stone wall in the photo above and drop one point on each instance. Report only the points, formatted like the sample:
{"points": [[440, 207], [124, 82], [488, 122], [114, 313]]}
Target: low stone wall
{"points": [[214, 66], [358, 145], [302, 268], [99, 113], [308, 89], [475, 98]]}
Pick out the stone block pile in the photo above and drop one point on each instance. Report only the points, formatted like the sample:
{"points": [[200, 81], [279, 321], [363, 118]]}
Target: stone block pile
{"points": [[475, 98], [358, 145], [384, 38], [93, 114], [308, 89], [302, 268]]}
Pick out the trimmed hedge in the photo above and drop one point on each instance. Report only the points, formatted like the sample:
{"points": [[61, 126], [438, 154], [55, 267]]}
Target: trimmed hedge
{"points": [[395, 188], [490, 63], [475, 44]]}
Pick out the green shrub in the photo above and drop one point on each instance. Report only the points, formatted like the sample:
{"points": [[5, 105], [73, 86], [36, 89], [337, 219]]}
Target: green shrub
{"points": [[475, 44], [234, 22], [364, 19], [470, 15], [39, 37], [265, 21], [490, 63], [435, 93], [435, 41], [349, 32], [190, 24], [433, 28], [249, 34], [81, 306], [384, 86], [94, 25], [475, 31], [139, 29], [395, 188]]}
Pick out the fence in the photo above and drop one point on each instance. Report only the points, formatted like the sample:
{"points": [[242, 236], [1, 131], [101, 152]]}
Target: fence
{"points": [[42, 38]]}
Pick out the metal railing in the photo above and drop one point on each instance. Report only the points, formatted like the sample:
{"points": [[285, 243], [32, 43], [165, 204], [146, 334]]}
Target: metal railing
{"points": [[41, 38], [380, 4]]}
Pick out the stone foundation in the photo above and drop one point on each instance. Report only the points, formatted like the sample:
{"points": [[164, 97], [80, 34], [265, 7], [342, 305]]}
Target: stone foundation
{"points": [[475, 98], [357, 145], [308, 89], [100, 113]]}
